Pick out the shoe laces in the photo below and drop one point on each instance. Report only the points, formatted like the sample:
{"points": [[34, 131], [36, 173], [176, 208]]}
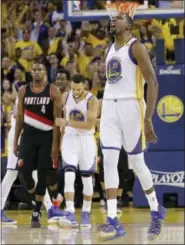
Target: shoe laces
{"points": [[155, 226]]}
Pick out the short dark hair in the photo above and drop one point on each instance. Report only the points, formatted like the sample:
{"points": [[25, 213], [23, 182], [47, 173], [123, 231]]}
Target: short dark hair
{"points": [[78, 78], [38, 62], [64, 71]]}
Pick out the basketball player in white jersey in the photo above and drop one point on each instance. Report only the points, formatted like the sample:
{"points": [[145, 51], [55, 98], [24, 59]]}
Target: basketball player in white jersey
{"points": [[126, 121], [78, 147], [11, 175]]}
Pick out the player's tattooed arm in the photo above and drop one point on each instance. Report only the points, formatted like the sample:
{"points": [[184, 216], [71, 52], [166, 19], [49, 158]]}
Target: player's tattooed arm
{"points": [[19, 118], [141, 55]]}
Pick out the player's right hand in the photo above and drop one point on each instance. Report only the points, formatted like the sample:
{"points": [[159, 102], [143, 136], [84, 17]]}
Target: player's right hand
{"points": [[16, 150]]}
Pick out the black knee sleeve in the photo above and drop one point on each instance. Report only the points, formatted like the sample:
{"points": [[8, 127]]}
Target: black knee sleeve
{"points": [[52, 177], [28, 179], [42, 182], [121, 179]]}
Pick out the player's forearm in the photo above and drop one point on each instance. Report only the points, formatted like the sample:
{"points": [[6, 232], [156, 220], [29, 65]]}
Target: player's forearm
{"points": [[152, 93], [80, 125], [18, 127], [56, 136]]}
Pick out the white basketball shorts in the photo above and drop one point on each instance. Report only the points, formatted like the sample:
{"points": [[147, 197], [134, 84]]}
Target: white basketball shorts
{"points": [[79, 150], [122, 124]]}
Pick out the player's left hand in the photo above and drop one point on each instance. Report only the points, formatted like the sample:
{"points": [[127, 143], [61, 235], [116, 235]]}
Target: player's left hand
{"points": [[149, 132]]}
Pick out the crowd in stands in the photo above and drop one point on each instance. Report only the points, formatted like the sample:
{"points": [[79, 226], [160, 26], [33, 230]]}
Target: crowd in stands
{"points": [[37, 30]]}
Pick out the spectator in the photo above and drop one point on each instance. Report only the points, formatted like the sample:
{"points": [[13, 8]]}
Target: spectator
{"points": [[39, 27], [53, 67], [30, 50], [70, 54], [19, 77], [7, 69], [84, 58], [62, 80], [52, 44], [88, 84]]}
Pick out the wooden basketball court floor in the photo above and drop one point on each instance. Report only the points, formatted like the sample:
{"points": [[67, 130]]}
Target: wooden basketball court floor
{"points": [[134, 220]]}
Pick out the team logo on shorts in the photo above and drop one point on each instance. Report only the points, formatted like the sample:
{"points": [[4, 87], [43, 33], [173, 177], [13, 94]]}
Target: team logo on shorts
{"points": [[77, 115], [114, 70], [170, 109]]}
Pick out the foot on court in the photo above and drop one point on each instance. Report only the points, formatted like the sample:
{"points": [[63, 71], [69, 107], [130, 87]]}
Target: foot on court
{"points": [[6, 220], [54, 214], [111, 230], [156, 225], [68, 221], [35, 220], [85, 220]]}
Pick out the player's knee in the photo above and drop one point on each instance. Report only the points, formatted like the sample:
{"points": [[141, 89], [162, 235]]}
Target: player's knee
{"points": [[110, 168], [52, 177], [41, 184], [29, 181], [40, 189], [137, 162], [138, 165], [69, 178], [87, 184], [69, 168]]}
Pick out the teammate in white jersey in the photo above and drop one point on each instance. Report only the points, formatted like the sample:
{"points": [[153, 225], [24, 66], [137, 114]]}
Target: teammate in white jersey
{"points": [[78, 147], [11, 175], [125, 121]]}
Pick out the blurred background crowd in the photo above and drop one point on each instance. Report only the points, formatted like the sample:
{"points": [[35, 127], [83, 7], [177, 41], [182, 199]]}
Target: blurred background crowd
{"points": [[36, 30]]}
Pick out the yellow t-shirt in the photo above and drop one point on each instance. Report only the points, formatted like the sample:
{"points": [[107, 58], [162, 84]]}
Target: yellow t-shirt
{"points": [[66, 59], [83, 62], [30, 49], [96, 42], [54, 45], [165, 28]]}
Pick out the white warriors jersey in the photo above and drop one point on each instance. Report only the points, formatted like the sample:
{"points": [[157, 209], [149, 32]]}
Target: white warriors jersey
{"points": [[124, 78], [13, 113], [77, 111]]}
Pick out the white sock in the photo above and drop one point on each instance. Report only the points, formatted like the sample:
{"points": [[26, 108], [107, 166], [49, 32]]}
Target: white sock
{"points": [[112, 208], [6, 185], [47, 200], [152, 201], [70, 206], [86, 206]]}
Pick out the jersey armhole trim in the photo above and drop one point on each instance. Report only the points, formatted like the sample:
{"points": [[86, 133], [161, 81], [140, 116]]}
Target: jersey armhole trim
{"points": [[92, 96], [66, 98], [131, 54]]}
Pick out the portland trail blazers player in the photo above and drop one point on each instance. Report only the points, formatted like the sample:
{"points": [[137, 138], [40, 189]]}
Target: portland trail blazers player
{"points": [[39, 103]]}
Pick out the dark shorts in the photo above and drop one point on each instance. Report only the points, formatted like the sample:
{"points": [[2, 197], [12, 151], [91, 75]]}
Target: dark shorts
{"points": [[35, 150]]}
